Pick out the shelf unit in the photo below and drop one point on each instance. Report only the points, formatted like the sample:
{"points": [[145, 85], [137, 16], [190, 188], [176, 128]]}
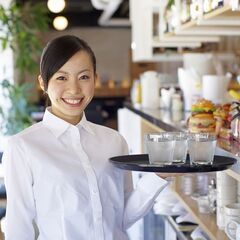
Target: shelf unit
{"points": [[206, 221], [180, 234], [148, 29]]}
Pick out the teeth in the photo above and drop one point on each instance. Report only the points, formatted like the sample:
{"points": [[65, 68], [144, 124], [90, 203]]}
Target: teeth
{"points": [[72, 101]]}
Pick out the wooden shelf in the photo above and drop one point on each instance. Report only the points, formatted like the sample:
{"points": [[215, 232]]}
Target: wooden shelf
{"points": [[105, 92], [206, 221], [219, 12], [150, 16], [183, 235], [220, 22], [231, 149], [210, 30], [223, 17]]}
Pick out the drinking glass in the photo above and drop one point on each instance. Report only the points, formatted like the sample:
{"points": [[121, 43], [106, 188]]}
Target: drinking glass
{"points": [[160, 147], [201, 148], [181, 146], [203, 204]]}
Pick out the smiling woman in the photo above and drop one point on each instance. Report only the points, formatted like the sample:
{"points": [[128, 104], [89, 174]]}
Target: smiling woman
{"points": [[57, 172], [71, 87]]}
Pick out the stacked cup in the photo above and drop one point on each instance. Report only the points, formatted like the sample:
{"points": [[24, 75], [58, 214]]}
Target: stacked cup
{"points": [[232, 220], [226, 194]]}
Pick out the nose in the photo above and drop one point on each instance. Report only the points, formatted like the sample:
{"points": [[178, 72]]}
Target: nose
{"points": [[74, 86]]}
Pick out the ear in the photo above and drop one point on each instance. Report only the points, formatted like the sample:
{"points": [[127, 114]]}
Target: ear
{"points": [[41, 82]]}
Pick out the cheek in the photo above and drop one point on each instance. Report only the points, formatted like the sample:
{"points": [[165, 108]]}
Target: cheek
{"points": [[89, 89], [54, 93]]}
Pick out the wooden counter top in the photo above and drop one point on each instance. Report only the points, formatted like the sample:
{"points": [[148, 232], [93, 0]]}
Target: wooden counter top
{"points": [[176, 121]]}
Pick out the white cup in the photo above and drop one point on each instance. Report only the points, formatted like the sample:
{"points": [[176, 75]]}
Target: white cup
{"points": [[227, 192], [223, 179], [232, 229], [232, 213], [225, 201]]}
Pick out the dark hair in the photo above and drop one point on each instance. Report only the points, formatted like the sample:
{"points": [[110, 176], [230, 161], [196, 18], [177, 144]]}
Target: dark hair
{"points": [[58, 51]]}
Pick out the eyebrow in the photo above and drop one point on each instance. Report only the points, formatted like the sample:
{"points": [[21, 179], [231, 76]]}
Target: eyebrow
{"points": [[64, 72]]}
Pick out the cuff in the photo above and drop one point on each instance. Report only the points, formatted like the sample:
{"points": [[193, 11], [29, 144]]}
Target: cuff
{"points": [[151, 183]]}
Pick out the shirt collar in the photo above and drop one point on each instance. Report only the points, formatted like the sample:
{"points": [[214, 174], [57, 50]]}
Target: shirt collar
{"points": [[59, 126], [84, 123]]}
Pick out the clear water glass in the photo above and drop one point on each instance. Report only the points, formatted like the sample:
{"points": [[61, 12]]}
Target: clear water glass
{"points": [[181, 147], [160, 148], [201, 148]]}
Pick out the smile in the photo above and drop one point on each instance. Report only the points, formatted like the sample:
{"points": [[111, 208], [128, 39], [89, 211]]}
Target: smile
{"points": [[72, 101]]}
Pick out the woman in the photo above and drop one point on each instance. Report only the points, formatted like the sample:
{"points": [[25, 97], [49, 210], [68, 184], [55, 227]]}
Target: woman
{"points": [[57, 172]]}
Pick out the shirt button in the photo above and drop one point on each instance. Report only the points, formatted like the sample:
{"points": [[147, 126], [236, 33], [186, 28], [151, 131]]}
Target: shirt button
{"points": [[97, 219], [94, 191]]}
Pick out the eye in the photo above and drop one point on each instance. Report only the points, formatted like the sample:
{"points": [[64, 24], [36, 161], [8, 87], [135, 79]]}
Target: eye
{"points": [[61, 78], [84, 77]]}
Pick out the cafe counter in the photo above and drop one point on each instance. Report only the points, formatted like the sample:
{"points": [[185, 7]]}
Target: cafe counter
{"points": [[134, 122]]}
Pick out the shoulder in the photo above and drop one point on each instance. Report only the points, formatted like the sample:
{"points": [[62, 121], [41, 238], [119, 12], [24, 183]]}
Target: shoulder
{"points": [[105, 131], [27, 133], [109, 138]]}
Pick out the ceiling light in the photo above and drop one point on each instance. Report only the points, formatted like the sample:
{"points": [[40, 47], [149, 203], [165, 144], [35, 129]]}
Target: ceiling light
{"points": [[60, 23], [56, 6]]}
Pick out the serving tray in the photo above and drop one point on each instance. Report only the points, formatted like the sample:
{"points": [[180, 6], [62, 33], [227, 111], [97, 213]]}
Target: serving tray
{"points": [[140, 162]]}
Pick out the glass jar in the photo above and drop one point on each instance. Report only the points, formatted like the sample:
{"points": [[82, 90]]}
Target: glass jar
{"points": [[212, 195]]}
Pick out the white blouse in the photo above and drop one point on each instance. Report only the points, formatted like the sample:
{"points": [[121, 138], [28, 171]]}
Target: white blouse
{"points": [[58, 176]]}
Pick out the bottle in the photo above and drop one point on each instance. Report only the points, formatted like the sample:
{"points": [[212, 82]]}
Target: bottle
{"points": [[207, 6], [212, 195], [177, 103]]}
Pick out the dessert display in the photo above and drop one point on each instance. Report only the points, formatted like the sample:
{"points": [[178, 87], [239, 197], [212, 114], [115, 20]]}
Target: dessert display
{"points": [[235, 120], [202, 118], [223, 121]]}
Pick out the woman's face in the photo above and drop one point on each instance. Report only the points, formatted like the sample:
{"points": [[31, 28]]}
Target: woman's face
{"points": [[71, 88]]}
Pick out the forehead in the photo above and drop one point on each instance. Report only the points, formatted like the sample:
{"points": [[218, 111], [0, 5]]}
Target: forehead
{"points": [[80, 59]]}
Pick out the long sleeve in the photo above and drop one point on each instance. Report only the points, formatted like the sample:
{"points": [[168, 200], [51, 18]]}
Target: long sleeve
{"points": [[140, 200], [20, 201]]}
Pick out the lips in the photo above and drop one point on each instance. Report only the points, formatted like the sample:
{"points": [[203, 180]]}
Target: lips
{"points": [[72, 101]]}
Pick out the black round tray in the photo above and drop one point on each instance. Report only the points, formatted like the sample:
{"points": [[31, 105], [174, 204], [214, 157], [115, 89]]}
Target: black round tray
{"points": [[140, 162]]}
